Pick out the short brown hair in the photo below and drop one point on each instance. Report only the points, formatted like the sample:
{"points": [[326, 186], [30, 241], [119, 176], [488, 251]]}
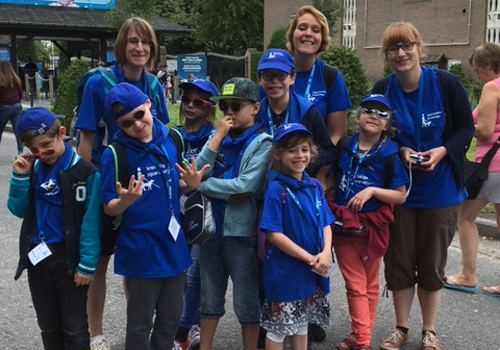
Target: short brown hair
{"points": [[290, 141], [320, 17], [487, 55], [144, 29]]}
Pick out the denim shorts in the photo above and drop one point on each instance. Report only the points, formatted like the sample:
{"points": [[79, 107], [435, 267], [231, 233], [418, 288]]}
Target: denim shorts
{"points": [[235, 257]]}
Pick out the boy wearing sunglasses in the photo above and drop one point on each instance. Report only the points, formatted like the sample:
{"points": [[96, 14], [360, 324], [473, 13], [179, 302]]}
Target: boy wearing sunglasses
{"points": [[238, 153], [362, 205], [151, 250], [282, 106], [57, 194]]}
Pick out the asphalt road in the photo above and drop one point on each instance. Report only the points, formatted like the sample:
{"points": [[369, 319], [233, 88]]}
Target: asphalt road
{"points": [[465, 321]]}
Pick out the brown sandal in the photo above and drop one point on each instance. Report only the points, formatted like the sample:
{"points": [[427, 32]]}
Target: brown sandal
{"points": [[348, 343]]}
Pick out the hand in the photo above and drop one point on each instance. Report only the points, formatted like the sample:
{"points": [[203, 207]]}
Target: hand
{"points": [[134, 190], [357, 202], [321, 262], [223, 126], [22, 163], [82, 280], [435, 154], [190, 174]]}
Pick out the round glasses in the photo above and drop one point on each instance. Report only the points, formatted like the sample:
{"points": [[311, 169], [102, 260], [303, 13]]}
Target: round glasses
{"points": [[196, 101], [394, 49], [135, 42], [235, 106], [269, 76], [381, 114], [127, 123]]}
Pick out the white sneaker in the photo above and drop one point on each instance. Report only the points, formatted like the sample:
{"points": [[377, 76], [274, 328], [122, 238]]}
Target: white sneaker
{"points": [[101, 344], [194, 337]]}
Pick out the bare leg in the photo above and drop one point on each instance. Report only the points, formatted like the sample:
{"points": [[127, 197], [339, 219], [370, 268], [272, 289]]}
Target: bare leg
{"points": [[429, 304], [207, 332], [298, 342], [250, 335], [402, 305], [96, 296]]}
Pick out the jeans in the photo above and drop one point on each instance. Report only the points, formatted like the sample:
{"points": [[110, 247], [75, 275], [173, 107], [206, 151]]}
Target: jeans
{"points": [[60, 306], [235, 257], [191, 311], [11, 113]]}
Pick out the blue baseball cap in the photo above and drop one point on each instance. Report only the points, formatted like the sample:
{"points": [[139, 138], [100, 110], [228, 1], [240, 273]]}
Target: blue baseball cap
{"points": [[376, 98], [287, 129], [127, 95], [38, 119], [276, 59], [202, 84]]}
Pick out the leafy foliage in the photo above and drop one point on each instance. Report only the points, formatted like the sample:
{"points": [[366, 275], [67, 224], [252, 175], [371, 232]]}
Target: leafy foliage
{"points": [[254, 63], [32, 49], [66, 92], [473, 89], [125, 9], [278, 40], [332, 11]]}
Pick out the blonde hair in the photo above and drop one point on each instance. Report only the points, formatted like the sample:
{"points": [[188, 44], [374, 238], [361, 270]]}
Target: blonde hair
{"points": [[487, 55], [142, 28], [320, 17], [288, 142], [209, 110], [400, 32], [8, 77]]}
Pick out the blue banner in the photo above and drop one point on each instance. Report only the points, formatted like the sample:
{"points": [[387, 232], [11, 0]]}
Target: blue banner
{"points": [[192, 65], [4, 53], [94, 4]]}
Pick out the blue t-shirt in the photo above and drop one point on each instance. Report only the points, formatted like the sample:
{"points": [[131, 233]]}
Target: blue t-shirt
{"points": [[326, 102], [285, 277], [194, 141], [431, 123], [145, 247], [92, 110], [353, 176]]}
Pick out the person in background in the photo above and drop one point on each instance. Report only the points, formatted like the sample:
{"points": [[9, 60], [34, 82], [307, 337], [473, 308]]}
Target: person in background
{"points": [[136, 49], [435, 124], [196, 115], [486, 63], [11, 94], [307, 36]]}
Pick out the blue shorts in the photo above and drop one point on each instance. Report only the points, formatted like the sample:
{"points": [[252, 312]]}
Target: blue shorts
{"points": [[235, 257]]}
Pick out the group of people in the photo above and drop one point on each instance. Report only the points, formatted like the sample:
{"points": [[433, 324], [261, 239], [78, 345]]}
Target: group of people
{"points": [[280, 146]]}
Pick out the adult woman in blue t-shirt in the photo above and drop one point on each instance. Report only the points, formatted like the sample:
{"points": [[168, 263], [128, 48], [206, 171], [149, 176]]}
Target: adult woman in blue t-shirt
{"points": [[433, 115], [307, 36]]}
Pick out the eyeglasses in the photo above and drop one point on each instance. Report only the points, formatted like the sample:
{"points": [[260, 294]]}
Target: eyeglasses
{"points": [[394, 49], [46, 152], [235, 106], [196, 101], [381, 114], [135, 42], [268, 76], [129, 122]]}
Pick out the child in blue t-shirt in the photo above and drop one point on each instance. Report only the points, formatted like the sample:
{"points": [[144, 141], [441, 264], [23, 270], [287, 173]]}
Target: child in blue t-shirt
{"points": [[57, 194], [298, 258], [196, 115], [370, 177], [151, 251]]}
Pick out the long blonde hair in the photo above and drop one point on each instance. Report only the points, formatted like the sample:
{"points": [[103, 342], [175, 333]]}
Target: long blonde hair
{"points": [[8, 77]]}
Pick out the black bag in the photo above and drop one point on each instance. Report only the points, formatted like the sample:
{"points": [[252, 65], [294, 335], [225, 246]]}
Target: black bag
{"points": [[477, 173], [200, 222]]}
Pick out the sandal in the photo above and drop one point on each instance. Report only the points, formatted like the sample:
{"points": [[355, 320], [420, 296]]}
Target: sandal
{"points": [[493, 291], [348, 343]]}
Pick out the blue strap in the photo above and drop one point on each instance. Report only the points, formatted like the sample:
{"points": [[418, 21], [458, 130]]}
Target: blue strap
{"points": [[270, 119], [351, 176], [168, 179], [310, 80]]}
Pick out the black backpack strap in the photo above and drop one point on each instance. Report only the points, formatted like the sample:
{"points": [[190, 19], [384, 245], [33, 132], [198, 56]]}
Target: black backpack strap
{"points": [[121, 163], [388, 171], [179, 143], [329, 75]]}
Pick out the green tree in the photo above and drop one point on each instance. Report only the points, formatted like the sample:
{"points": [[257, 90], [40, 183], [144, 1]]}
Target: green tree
{"points": [[332, 11], [125, 9], [33, 49], [278, 40], [66, 92]]}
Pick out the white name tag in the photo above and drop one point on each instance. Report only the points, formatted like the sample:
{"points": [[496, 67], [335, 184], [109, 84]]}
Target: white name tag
{"points": [[174, 227], [39, 253]]}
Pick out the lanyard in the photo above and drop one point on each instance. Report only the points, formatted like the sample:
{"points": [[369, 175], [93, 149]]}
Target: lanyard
{"points": [[310, 80], [41, 217], [351, 177], [415, 124], [270, 119], [318, 240], [168, 180]]}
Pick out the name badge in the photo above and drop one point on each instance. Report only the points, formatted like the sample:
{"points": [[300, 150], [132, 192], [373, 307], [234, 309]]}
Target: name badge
{"points": [[174, 227], [39, 253]]}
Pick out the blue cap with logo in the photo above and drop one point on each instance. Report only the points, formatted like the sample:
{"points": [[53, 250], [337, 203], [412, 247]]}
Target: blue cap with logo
{"points": [[287, 129], [278, 59], [127, 95], [202, 84], [381, 99], [38, 119]]}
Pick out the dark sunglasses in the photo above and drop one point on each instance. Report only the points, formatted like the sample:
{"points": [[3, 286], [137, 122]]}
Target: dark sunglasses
{"points": [[380, 114], [129, 122], [235, 106], [269, 76], [196, 101]]}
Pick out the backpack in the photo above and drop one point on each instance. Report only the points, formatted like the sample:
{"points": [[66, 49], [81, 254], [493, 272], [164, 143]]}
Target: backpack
{"points": [[329, 75], [109, 80], [122, 166]]}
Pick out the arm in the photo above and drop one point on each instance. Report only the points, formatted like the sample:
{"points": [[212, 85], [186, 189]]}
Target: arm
{"points": [[390, 196], [487, 110], [285, 244], [125, 198], [337, 125], [85, 146], [321, 262]]}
